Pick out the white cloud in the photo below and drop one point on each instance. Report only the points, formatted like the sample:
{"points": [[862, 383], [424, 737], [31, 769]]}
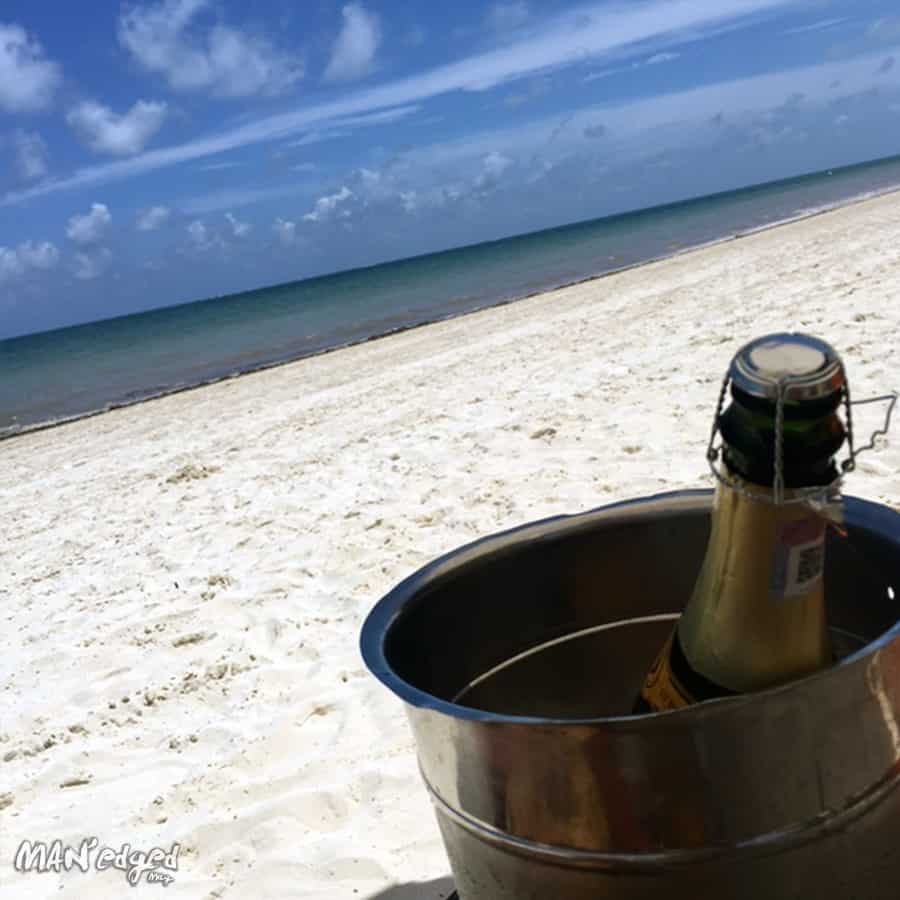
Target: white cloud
{"points": [[238, 228], [382, 117], [398, 186], [89, 228], [815, 26], [596, 32], [605, 73], [285, 231], [202, 238], [492, 168], [326, 205], [658, 58], [198, 232], [355, 47], [219, 166], [164, 38], [10, 264], [151, 219], [368, 177], [343, 127], [654, 60], [495, 164], [401, 186], [119, 135], [506, 16], [31, 154], [16, 261], [88, 265], [38, 255], [28, 80], [317, 137], [841, 120]]}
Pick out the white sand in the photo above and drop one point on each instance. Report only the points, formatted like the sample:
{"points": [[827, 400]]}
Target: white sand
{"points": [[184, 581]]}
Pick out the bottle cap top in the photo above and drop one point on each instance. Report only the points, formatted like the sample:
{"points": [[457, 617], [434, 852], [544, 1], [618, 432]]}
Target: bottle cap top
{"points": [[808, 367]]}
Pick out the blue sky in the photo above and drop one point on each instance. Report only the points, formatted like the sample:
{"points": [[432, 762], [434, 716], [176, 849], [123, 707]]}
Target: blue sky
{"points": [[159, 151]]}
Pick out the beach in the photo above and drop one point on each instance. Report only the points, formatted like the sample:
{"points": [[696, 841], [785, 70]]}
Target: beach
{"points": [[185, 579]]}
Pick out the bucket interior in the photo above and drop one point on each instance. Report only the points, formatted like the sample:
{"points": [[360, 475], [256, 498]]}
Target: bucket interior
{"points": [[564, 620]]}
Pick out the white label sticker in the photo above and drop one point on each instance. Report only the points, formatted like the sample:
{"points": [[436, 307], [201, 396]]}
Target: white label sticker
{"points": [[799, 558]]}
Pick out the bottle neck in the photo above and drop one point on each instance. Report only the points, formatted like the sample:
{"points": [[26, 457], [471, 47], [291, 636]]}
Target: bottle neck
{"points": [[760, 472], [810, 438]]}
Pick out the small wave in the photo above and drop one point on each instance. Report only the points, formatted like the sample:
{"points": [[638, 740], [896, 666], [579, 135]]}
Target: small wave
{"points": [[809, 211]]}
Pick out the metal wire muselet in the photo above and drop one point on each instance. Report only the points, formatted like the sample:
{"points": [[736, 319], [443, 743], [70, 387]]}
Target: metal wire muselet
{"points": [[824, 499]]}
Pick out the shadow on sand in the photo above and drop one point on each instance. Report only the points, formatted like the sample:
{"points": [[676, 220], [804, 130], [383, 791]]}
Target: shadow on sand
{"points": [[439, 889]]}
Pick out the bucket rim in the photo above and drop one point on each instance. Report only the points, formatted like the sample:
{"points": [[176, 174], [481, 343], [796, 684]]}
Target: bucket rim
{"points": [[859, 514]]}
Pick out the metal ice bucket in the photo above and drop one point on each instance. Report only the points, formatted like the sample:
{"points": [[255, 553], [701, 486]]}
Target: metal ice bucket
{"points": [[518, 658]]}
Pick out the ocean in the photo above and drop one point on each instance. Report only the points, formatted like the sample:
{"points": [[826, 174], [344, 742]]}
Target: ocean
{"points": [[71, 372]]}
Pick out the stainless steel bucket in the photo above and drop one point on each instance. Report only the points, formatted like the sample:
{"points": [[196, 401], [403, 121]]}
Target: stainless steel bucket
{"points": [[518, 658]]}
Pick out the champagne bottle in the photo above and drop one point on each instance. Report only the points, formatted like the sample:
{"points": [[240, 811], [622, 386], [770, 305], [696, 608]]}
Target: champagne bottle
{"points": [[756, 616]]}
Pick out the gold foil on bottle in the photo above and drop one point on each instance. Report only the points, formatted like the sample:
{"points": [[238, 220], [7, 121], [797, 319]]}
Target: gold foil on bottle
{"points": [[662, 690], [737, 630]]}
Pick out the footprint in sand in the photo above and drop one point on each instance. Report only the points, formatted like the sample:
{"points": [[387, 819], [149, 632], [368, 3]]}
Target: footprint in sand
{"points": [[321, 810]]}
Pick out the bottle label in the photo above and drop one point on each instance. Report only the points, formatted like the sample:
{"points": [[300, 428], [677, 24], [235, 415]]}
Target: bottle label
{"points": [[662, 690], [798, 560]]}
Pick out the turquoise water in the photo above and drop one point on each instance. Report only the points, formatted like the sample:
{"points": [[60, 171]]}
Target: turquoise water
{"points": [[71, 372]]}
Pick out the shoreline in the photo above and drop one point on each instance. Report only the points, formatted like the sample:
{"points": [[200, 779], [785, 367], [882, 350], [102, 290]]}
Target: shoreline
{"points": [[8, 435]]}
